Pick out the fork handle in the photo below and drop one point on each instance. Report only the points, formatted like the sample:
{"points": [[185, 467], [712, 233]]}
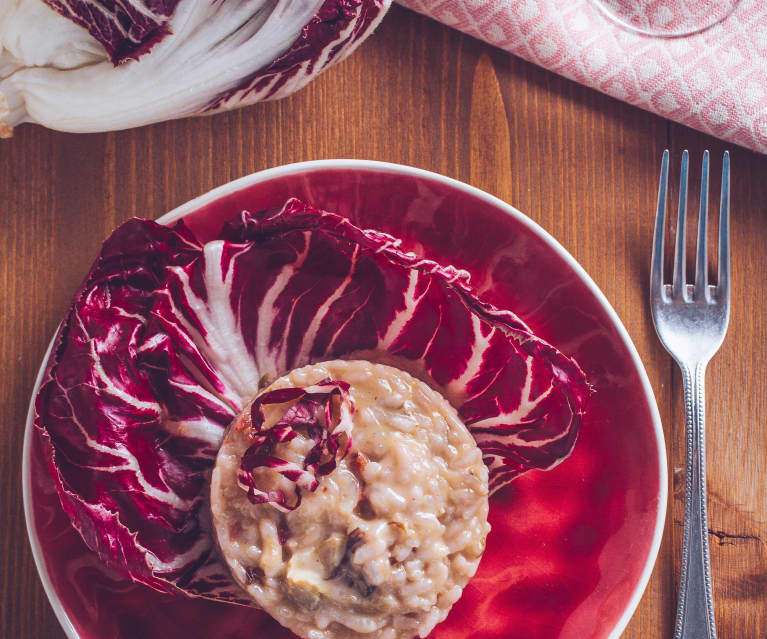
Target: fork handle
{"points": [[695, 611]]}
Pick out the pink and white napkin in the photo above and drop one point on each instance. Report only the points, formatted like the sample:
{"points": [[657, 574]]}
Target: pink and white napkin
{"points": [[714, 81]]}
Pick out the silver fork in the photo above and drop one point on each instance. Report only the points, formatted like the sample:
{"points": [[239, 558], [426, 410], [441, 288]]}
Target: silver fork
{"points": [[691, 321]]}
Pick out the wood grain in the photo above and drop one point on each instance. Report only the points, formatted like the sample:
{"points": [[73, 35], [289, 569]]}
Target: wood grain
{"points": [[490, 140], [582, 165]]}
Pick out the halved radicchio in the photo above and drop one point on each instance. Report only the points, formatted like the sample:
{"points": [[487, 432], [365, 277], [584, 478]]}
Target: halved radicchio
{"points": [[105, 65], [168, 338]]}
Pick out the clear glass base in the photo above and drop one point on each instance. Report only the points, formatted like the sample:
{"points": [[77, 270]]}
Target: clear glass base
{"points": [[666, 18]]}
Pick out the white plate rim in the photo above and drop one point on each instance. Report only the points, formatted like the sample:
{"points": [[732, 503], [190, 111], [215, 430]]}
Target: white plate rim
{"points": [[400, 169]]}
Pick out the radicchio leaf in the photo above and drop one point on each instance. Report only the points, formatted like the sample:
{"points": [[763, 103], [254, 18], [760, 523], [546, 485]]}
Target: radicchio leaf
{"points": [[168, 338], [339, 27], [126, 29], [128, 466], [311, 410]]}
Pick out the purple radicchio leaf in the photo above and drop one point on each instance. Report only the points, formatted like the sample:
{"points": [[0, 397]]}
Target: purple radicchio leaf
{"points": [[311, 410], [125, 28], [336, 30], [127, 447], [342, 289], [168, 338]]}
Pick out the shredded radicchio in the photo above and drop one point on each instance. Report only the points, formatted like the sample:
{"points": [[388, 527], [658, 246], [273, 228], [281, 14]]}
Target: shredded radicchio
{"points": [[168, 338], [313, 410]]}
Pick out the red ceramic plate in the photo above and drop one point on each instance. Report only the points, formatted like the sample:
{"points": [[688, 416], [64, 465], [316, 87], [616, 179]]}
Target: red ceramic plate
{"points": [[570, 550]]}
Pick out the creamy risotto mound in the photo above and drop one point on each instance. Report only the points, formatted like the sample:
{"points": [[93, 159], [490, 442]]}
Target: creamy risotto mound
{"points": [[385, 544]]}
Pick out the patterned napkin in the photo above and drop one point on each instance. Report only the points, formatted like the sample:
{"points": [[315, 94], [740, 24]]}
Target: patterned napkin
{"points": [[714, 81]]}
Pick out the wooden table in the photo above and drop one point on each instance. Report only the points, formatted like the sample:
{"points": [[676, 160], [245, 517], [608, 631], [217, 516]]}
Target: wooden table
{"points": [[582, 165]]}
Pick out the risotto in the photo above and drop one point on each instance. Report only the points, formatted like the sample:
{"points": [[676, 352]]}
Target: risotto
{"points": [[385, 544]]}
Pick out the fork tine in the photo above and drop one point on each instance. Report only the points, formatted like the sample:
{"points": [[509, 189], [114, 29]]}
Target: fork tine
{"points": [[701, 258], [723, 279], [679, 283], [656, 265]]}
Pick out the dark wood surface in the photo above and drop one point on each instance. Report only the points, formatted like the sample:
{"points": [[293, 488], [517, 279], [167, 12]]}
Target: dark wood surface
{"points": [[581, 164]]}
